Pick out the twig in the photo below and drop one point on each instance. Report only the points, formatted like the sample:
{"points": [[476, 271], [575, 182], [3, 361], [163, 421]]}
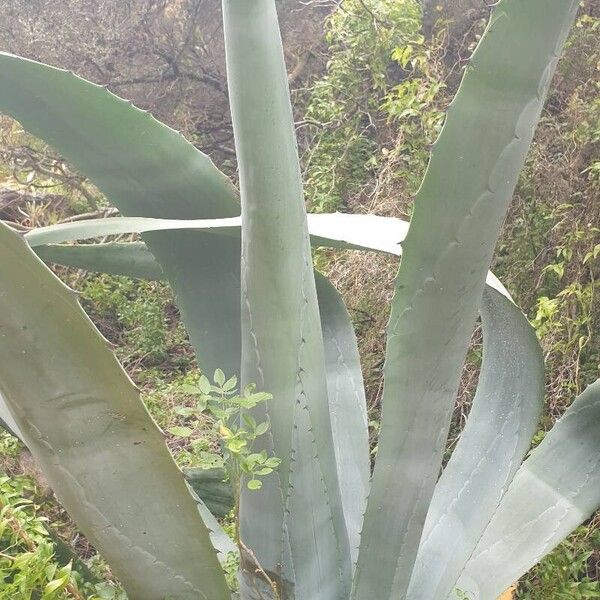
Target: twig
{"points": [[260, 570], [103, 212]]}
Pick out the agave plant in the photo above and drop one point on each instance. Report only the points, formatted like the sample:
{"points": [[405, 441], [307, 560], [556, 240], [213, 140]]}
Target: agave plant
{"points": [[322, 527]]}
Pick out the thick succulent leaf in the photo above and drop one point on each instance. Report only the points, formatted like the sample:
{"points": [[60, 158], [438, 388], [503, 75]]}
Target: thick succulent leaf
{"points": [[498, 433], [211, 487], [221, 542], [331, 230], [132, 259], [7, 421], [93, 228], [282, 346], [86, 426], [145, 169], [358, 232], [213, 495], [556, 489], [458, 214], [334, 230], [348, 407]]}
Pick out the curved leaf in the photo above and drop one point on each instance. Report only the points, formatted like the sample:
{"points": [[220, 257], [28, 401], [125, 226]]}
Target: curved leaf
{"points": [[87, 428], [282, 345], [93, 228], [212, 489], [331, 230], [334, 230], [213, 496], [221, 542], [7, 421], [457, 218], [132, 259], [556, 489], [145, 169], [348, 407], [498, 433]]}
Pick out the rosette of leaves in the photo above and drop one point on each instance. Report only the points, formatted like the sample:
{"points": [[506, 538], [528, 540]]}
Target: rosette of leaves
{"points": [[322, 526]]}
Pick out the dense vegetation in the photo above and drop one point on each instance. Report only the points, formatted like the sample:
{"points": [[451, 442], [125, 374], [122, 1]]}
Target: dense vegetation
{"points": [[369, 114]]}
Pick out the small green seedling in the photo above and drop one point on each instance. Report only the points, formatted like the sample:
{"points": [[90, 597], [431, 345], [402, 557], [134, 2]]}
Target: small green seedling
{"points": [[236, 427]]}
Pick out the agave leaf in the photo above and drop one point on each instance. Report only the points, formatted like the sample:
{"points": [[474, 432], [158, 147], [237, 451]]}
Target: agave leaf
{"points": [[145, 169], [87, 428], [132, 259], [556, 489], [93, 228], [458, 214], [282, 345], [348, 407], [330, 230], [212, 494], [221, 542], [7, 421], [211, 487], [502, 421], [334, 230]]}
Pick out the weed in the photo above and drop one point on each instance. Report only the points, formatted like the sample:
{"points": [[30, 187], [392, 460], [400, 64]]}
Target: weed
{"points": [[35, 564], [140, 318], [380, 72], [563, 574]]}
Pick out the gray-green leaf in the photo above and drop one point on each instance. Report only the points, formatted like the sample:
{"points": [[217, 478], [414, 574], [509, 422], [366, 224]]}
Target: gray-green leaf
{"points": [[86, 426], [556, 489]]}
